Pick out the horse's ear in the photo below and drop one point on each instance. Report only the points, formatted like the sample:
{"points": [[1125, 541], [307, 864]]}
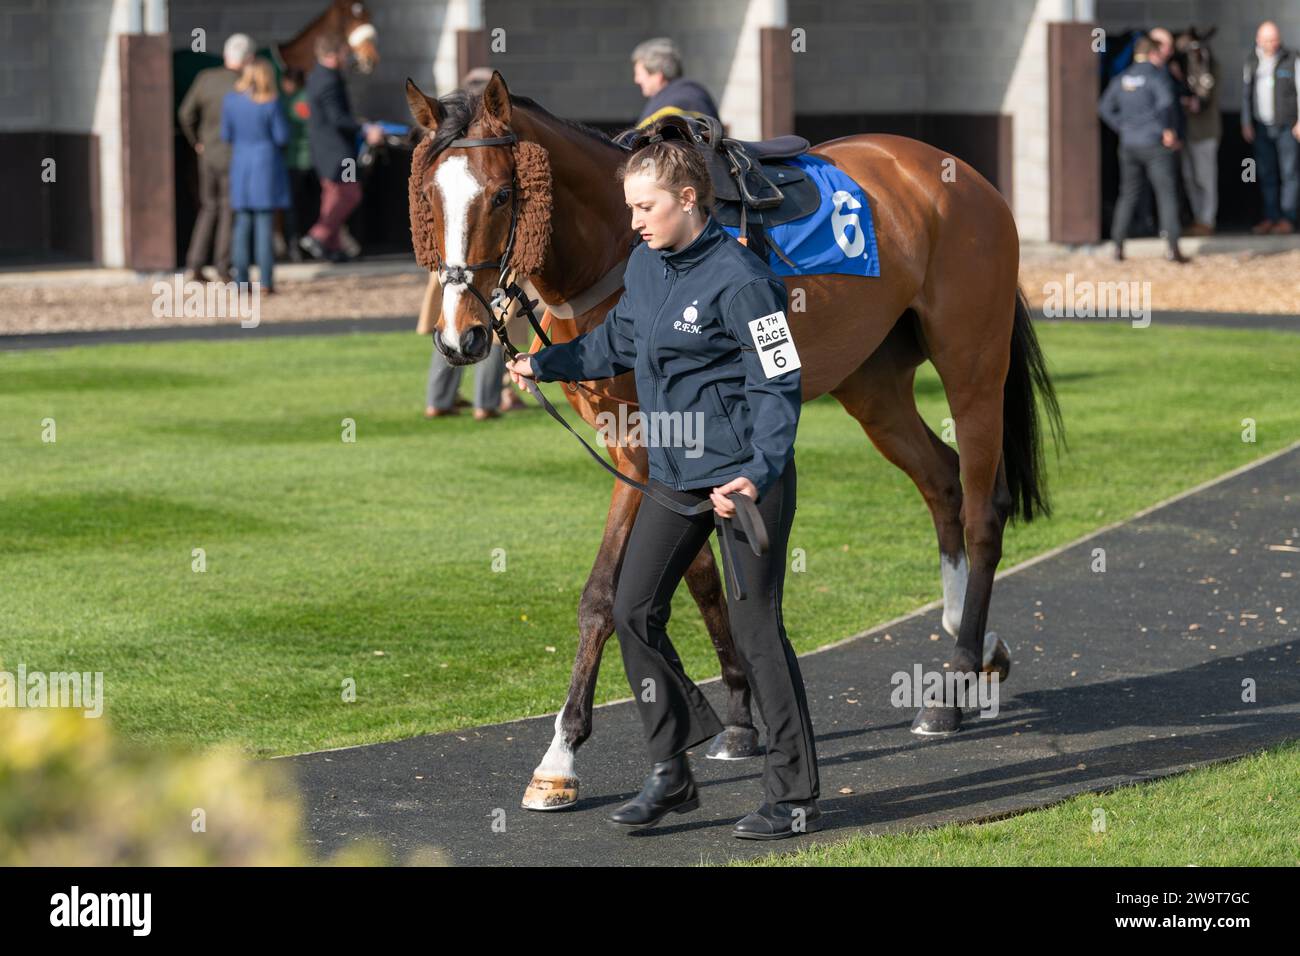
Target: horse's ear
{"points": [[496, 98], [426, 112], [1210, 32]]}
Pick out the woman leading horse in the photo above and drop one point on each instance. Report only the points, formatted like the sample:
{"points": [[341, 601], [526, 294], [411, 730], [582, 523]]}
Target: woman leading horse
{"points": [[703, 325]]}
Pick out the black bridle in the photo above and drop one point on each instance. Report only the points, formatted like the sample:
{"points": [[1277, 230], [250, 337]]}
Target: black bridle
{"points": [[507, 292]]}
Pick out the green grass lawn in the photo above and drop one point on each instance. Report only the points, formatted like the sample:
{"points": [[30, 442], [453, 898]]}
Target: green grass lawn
{"points": [[1238, 813], [373, 560]]}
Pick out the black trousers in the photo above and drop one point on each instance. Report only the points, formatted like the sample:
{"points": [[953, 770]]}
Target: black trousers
{"points": [[674, 713], [304, 203], [1155, 163]]}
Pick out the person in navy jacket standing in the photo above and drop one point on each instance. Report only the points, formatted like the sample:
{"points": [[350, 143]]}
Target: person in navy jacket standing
{"points": [[702, 323], [1141, 105], [255, 126]]}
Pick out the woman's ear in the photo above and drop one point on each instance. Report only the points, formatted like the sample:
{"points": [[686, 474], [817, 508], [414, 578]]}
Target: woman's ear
{"points": [[688, 198]]}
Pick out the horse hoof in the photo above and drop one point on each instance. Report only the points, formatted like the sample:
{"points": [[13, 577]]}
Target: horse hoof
{"points": [[997, 657], [937, 721], [550, 792], [735, 743]]}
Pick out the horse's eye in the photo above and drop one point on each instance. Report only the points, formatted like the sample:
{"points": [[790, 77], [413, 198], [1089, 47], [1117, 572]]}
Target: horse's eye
{"points": [[501, 198]]}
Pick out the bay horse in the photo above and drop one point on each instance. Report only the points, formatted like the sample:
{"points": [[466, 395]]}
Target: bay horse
{"points": [[1195, 64], [495, 172], [349, 19]]}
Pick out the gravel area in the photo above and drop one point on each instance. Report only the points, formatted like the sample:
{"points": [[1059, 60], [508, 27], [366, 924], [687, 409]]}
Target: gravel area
{"points": [[1222, 282], [1240, 281], [67, 308]]}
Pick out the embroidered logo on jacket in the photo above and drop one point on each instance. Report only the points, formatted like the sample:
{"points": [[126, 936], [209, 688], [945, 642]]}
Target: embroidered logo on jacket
{"points": [[687, 322]]}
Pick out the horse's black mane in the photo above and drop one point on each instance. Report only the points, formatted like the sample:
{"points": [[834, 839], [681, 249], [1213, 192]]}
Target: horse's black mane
{"points": [[461, 106]]}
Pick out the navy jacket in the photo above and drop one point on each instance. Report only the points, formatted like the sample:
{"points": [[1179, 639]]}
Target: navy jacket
{"points": [[1139, 104], [331, 128], [679, 95], [683, 326]]}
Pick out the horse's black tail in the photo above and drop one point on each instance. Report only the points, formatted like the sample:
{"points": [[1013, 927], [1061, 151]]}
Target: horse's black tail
{"points": [[1022, 440]]}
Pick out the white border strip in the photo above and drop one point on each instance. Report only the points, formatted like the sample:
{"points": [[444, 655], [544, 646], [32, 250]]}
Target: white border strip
{"points": [[917, 612]]}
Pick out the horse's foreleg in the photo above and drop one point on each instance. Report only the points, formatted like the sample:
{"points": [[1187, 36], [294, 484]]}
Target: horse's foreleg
{"points": [[555, 781], [739, 738]]}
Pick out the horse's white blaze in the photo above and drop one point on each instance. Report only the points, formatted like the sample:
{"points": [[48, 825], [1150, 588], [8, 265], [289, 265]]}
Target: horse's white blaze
{"points": [[364, 32], [457, 187], [954, 590], [559, 758]]}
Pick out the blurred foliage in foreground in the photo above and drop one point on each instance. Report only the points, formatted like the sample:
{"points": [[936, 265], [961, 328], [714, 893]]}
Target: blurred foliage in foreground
{"points": [[73, 795]]}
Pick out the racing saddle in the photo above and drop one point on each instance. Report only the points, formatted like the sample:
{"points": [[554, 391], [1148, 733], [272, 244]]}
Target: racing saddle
{"points": [[752, 189]]}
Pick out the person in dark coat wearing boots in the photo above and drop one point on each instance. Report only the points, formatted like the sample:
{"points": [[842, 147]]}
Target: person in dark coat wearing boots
{"points": [[703, 325]]}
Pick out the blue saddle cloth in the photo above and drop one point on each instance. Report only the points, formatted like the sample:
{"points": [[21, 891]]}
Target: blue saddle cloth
{"points": [[838, 237]]}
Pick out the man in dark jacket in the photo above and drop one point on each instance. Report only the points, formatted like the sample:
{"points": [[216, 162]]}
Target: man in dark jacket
{"points": [[1269, 120], [332, 130], [1139, 105], [657, 69], [200, 122]]}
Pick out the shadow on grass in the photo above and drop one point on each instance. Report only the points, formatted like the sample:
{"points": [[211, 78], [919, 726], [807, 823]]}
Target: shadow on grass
{"points": [[71, 521], [98, 379]]}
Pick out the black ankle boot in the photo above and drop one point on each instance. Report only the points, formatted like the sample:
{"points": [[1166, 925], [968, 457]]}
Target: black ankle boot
{"points": [[779, 821], [670, 788]]}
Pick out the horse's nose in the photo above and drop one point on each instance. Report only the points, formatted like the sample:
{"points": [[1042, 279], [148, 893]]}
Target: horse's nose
{"points": [[474, 343]]}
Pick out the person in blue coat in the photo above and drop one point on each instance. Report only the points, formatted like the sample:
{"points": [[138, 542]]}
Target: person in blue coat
{"points": [[702, 323], [253, 122]]}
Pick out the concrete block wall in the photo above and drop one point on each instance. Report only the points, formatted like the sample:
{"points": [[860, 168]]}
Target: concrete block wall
{"points": [[586, 72], [59, 73], [864, 57], [25, 93], [936, 56]]}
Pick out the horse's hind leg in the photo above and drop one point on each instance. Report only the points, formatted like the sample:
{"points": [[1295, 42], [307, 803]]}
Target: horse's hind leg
{"points": [[880, 396], [973, 380]]}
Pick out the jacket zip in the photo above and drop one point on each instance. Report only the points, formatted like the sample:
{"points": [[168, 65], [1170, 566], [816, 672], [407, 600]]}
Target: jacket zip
{"points": [[672, 466]]}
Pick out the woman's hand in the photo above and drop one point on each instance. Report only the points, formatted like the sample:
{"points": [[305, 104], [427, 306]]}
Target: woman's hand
{"points": [[520, 368], [724, 505]]}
